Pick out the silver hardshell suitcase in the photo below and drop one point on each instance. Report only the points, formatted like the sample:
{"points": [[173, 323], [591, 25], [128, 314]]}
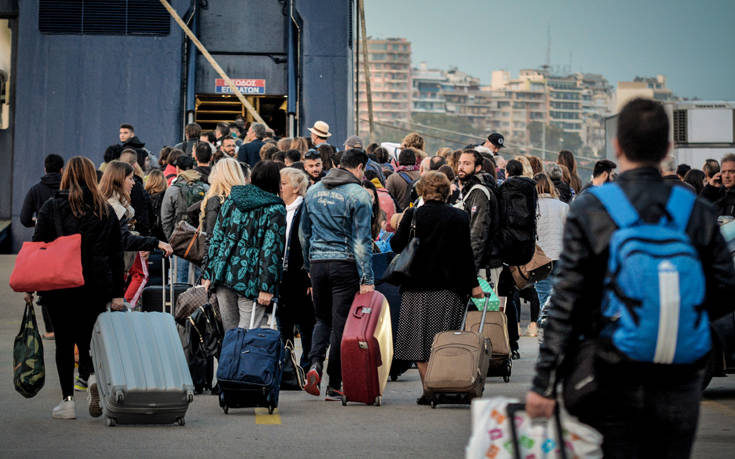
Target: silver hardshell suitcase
{"points": [[142, 374]]}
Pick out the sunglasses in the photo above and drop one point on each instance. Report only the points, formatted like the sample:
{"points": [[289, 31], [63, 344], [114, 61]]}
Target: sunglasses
{"points": [[312, 154]]}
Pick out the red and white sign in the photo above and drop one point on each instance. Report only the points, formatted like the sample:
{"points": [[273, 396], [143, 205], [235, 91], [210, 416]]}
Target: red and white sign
{"points": [[244, 85]]}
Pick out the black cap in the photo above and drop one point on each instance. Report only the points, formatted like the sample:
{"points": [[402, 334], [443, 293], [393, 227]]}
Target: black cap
{"points": [[496, 139]]}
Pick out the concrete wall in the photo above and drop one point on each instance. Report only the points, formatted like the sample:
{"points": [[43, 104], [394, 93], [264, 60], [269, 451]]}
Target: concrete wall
{"points": [[73, 91]]}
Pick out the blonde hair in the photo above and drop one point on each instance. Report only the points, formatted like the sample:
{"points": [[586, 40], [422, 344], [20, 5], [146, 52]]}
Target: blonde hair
{"points": [[300, 144], [155, 182], [225, 174], [527, 169], [297, 178], [284, 144], [444, 152], [413, 140]]}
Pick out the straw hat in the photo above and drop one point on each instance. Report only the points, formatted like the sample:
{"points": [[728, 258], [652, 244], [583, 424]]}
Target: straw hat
{"points": [[320, 129]]}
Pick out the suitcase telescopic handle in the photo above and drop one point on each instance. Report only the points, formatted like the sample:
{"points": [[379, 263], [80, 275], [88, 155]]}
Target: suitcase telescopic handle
{"points": [[484, 313], [271, 320]]}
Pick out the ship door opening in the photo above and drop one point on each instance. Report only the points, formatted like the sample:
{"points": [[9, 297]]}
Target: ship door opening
{"points": [[211, 109]]}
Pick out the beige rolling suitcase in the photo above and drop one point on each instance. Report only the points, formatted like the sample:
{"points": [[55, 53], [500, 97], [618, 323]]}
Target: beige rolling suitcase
{"points": [[457, 366], [496, 330]]}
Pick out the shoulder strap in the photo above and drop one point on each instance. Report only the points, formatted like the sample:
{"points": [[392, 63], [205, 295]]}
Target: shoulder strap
{"points": [[616, 203], [680, 205], [480, 187], [406, 177]]}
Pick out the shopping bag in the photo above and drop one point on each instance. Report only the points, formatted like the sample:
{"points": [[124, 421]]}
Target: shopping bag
{"points": [[29, 372], [493, 433], [493, 302]]}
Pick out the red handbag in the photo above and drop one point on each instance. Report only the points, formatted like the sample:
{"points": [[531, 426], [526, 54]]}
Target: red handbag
{"points": [[42, 266]]}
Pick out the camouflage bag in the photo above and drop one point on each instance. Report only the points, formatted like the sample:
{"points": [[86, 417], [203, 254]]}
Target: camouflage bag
{"points": [[29, 372]]}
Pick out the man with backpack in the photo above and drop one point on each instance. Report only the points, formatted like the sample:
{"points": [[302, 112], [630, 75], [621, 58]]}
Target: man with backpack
{"points": [[399, 183], [478, 200], [643, 271], [187, 189], [516, 240]]}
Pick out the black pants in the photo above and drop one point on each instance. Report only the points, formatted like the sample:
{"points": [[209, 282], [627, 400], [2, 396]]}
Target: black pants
{"points": [[73, 317], [334, 285], [47, 319], [643, 414], [296, 309]]}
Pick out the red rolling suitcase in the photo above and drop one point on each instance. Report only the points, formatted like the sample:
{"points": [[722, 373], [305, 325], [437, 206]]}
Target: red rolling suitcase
{"points": [[366, 349]]}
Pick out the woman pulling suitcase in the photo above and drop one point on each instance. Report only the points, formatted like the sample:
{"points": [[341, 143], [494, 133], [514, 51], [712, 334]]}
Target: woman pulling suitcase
{"points": [[80, 208], [443, 272]]}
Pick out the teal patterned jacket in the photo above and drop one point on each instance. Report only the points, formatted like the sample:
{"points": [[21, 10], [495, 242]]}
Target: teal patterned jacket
{"points": [[246, 248]]}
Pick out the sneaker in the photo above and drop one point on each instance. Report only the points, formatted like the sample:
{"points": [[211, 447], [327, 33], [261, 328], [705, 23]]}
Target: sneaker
{"points": [[333, 395], [93, 400], [532, 330], [515, 355], [80, 385], [313, 378], [65, 410]]}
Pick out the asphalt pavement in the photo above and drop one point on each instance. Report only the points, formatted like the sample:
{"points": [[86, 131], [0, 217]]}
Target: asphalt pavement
{"points": [[303, 427]]}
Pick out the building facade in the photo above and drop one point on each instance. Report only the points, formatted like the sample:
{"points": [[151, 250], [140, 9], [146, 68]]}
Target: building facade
{"points": [[389, 62]]}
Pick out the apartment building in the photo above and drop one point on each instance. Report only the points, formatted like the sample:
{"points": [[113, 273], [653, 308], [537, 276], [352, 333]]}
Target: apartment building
{"points": [[389, 61], [649, 87]]}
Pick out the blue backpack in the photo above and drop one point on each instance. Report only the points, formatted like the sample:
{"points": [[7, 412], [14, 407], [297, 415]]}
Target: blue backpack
{"points": [[654, 289]]}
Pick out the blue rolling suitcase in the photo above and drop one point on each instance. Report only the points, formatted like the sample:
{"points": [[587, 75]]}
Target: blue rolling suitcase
{"points": [[251, 366]]}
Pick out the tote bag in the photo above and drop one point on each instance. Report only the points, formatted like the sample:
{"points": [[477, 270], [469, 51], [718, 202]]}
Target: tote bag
{"points": [[42, 266]]}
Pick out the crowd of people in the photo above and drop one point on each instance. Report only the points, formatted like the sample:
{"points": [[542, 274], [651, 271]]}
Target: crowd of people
{"points": [[299, 219]]}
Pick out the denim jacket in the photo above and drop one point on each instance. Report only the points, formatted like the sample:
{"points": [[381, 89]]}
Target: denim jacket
{"points": [[335, 224]]}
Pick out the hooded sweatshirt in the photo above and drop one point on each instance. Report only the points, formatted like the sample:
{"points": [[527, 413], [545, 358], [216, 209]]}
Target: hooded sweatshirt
{"points": [[336, 223], [246, 249], [174, 205], [37, 195]]}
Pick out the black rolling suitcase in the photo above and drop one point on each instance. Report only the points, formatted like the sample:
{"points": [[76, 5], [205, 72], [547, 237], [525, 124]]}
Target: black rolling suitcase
{"points": [[157, 298]]}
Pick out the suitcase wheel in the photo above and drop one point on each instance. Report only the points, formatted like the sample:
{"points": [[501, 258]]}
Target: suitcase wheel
{"points": [[181, 421], [433, 403], [394, 377], [344, 400], [110, 422], [378, 400], [270, 409], [506, 379], [225, 408]]}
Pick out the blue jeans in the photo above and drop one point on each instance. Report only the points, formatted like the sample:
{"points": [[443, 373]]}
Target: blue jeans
{"points": [[182, 271], [544, 288]]}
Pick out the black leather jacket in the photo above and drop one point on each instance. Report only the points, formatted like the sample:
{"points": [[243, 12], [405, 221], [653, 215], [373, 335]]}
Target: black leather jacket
{"points": [[577, 297]]}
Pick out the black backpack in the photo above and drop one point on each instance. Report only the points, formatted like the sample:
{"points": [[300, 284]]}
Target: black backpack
{"points": [[517, 205]]}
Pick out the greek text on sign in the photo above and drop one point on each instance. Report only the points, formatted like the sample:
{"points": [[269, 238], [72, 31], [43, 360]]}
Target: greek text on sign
{"points": [[244, 85]]}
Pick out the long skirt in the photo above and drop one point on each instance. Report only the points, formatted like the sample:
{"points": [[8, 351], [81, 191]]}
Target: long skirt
{"points": [[424, 313]]}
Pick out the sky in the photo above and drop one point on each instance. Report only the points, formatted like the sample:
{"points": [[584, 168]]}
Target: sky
{"points": [[690, 42]]}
